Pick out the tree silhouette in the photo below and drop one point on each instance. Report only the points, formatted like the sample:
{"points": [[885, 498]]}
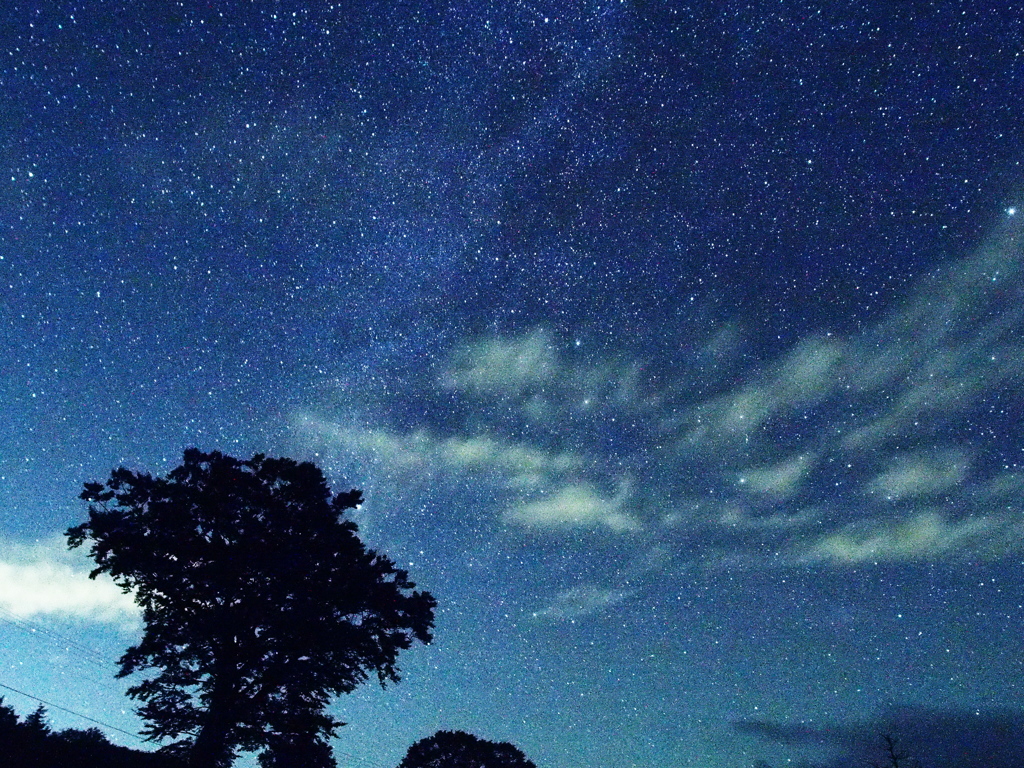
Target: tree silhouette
{"points": [[259, 600], [457, 749], [37, 723], [894, 757], [8, 719]]}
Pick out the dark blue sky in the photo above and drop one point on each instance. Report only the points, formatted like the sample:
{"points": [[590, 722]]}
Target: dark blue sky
{"points": [[675, 348]]}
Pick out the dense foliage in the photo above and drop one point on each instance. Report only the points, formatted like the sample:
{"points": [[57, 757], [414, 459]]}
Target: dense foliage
{"points": [[260, 603]]}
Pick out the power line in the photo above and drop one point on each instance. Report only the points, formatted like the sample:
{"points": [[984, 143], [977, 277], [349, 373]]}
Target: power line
{"points": [[352, 758], [87, 655], [35, 629], [34, 626], [72, 712], [349, 755]]}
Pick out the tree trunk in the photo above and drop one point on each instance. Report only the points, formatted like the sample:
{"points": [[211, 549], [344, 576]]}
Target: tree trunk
{"points": [[211, 748]]}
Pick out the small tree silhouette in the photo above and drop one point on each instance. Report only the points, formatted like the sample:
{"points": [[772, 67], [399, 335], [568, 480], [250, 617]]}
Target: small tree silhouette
{"points": [[37, 723], [894, 758], [457, 749]]}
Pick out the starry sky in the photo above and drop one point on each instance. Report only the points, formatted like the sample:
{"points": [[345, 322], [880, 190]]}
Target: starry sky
{"points": [[676, 347]]}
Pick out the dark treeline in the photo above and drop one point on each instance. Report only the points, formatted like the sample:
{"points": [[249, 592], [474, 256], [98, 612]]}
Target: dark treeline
{"points": [[31, 743]]}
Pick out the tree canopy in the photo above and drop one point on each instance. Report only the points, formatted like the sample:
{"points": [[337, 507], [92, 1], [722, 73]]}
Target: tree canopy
{"points": [[260, 602], [458, 749]]}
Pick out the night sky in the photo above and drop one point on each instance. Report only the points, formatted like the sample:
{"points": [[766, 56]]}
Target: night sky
{"points": [[677, 349]]}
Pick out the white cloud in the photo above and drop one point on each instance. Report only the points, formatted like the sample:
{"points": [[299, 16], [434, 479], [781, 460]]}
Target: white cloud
{"points": [[44, 580], [758, 454], [737, 517], [528, 466], [957, 338], [1002, 487]]}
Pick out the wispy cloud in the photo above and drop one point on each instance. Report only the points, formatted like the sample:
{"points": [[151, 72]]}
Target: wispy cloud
{"points": [[550, 492], [924, 536], [542, 380], [582, 601], [513, 464], [957, 340], [898, 438], [504, 367], [808, 375], [577, 505], [779, 480], [921, 474], [890, 444]]}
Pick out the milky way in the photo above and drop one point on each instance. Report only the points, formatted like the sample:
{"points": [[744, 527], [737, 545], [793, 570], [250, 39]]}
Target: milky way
{"points": [[676, 351]]}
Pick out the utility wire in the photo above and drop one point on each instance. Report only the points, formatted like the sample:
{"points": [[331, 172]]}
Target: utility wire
{"points": [[349, 755], [34, 626], [72, 712], [88, 655]]}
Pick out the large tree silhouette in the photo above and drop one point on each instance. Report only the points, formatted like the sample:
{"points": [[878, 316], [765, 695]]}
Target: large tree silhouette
{"points": [[259, 600], [458, 749]]}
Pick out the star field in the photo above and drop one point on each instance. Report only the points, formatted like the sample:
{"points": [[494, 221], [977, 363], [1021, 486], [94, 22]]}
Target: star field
{"points": [[675, 348]]}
